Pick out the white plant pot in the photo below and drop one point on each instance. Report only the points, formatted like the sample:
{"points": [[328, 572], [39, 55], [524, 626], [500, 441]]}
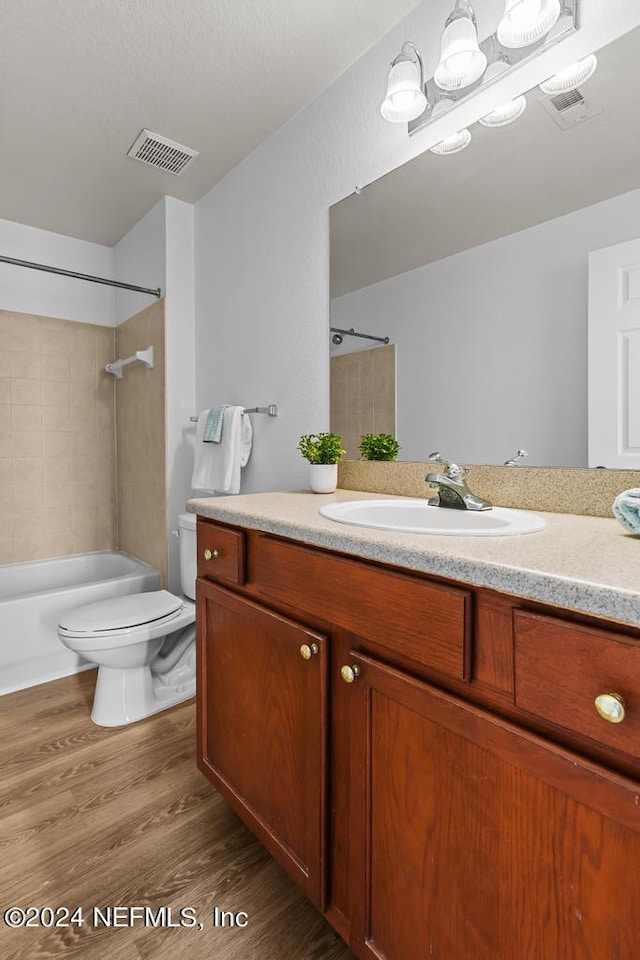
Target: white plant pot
{"points": [[323, 477]]}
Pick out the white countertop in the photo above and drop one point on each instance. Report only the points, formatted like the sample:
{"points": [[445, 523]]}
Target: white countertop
{"points": [[587, 564]]}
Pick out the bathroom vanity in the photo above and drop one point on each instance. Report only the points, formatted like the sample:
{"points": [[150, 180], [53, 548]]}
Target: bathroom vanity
{"points": [[409, 725]]}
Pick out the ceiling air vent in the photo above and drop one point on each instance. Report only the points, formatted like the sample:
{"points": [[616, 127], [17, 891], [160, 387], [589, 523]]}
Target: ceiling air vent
{"points": [[570, 108], [160, 152]]}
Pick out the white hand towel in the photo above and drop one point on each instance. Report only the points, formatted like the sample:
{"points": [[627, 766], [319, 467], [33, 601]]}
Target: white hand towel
{"points": [[247, 439], [236, 443], [217, 466]]}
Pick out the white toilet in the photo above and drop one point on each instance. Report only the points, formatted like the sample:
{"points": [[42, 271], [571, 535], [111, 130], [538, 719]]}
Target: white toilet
{"points": [[144, 644]]}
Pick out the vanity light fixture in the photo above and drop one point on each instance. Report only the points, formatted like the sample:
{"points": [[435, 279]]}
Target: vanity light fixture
{"points": [[406, 97], [571, 77], [526, 21], [462, 62], [528, 29], [453, 144]]}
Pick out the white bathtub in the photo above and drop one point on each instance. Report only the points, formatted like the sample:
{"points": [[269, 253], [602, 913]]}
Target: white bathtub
{"points": [[33, 597]]}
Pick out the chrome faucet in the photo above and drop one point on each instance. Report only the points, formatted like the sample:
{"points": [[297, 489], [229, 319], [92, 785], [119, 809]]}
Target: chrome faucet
{"points": [[452, 487]]}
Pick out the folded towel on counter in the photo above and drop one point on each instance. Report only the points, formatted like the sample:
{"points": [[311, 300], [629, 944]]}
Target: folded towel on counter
{"points": [[213, 426], [626, 509], [217, 466]]}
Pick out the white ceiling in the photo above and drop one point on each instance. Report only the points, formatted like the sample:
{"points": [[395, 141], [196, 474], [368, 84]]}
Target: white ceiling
{"points": [[506, 180], [79, 79]]}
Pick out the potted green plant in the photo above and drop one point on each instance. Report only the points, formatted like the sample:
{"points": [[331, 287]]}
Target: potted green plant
{"points": [[379, 446], [322, 450]]}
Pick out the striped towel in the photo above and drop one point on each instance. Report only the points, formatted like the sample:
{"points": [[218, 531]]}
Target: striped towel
{"points": [[213, 426]]}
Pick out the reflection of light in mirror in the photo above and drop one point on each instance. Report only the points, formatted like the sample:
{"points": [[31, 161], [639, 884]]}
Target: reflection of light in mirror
{"points": [[453, 144], [506, 113], [526, 21], [571, 77]]}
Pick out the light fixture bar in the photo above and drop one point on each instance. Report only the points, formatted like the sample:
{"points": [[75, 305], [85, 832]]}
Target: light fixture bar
{"points": [[492, 47]]}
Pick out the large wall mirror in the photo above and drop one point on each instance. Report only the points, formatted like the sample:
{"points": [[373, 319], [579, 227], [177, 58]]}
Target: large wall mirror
{"points": [[475, 266]]}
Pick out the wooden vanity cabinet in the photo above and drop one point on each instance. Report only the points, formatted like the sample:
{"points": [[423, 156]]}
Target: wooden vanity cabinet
{"points": [[411, 796], [262, 731], [473, 838]]}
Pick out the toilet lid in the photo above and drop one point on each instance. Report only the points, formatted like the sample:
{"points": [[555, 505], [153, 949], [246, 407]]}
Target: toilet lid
{"points": [[120, 613]]}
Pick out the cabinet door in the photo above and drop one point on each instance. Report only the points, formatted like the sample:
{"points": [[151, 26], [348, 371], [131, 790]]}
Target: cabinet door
{"points": [[262, 726], [475, 840]]}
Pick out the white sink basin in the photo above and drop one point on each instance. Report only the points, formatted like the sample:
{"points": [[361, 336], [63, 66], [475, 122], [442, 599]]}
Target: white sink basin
{"points": [[417, 516]]}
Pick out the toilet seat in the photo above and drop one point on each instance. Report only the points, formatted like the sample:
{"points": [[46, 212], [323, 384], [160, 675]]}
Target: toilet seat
{"points": [[123, 620]]}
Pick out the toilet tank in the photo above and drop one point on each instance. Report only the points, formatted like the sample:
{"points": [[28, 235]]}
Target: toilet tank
{"points": [[188, 553]]}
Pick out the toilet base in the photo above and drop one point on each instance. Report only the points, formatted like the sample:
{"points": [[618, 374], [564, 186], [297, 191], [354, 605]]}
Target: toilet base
{"points": [[124, 696]]}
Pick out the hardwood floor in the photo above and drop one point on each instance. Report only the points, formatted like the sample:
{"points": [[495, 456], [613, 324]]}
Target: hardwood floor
{"points": [[101, 818]]}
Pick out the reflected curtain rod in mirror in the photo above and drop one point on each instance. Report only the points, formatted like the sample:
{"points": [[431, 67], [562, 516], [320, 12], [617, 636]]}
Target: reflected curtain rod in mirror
{"points": [[339, 333]]}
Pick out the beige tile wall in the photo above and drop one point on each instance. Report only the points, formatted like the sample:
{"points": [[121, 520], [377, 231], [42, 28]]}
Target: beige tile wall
{"points": [[57, 449], [363, 395], [140, 433]]}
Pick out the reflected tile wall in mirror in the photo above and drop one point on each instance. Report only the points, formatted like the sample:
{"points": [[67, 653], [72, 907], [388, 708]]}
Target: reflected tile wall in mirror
{"points": [[363, 395]]}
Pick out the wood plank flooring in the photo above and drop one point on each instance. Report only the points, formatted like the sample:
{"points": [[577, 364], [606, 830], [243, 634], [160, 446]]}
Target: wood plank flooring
{"points": [[102, 818]]}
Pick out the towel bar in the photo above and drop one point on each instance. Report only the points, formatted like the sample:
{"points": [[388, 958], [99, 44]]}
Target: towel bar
{"points": [[271, 410]]}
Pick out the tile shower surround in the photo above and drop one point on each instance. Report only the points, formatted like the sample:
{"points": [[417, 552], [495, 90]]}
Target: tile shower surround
{"points": [[57, 444], [58, 484], [140, 441]]}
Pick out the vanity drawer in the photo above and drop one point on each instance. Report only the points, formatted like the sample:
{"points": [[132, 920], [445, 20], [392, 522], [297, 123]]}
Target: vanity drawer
{"points": [[221, 553], [407, 615], [560, 669]]}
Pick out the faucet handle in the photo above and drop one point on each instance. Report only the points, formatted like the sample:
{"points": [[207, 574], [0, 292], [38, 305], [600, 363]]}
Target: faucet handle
{"points": [[514, 460], [454, 471]]}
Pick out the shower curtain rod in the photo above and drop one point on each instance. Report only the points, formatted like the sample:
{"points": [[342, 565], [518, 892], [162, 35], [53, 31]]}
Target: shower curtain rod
{"points": [[81, 276], [364, 336]]}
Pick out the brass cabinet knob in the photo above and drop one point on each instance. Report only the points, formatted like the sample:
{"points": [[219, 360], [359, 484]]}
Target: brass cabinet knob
{"points": [[210, 554], [611, 707], [348, 673], [308, 650]]}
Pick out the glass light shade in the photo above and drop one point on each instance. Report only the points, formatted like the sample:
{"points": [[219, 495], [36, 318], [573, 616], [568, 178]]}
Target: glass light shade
{"points": [[405, 99], [571, 76], [526, 21], [462, 62], [453, 144], [506, 113]]}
